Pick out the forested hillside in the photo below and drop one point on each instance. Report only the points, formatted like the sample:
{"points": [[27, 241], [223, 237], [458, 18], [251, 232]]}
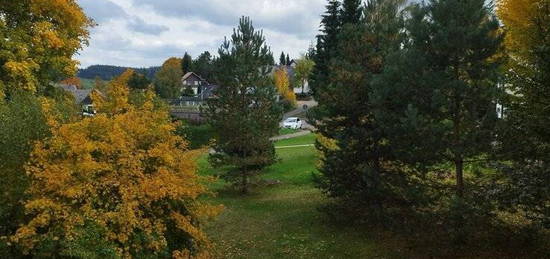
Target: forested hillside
{"points": [[107, 72]]}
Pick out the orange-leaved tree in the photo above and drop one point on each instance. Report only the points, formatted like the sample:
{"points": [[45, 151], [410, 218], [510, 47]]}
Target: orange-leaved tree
{"points": [[282, 83], [72, 81], [120, 184], [39, 40], [527, 26]]}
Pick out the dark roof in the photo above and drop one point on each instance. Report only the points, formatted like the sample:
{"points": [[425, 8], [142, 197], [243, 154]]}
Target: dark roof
{"points": [[189, 74], [81, 96]]}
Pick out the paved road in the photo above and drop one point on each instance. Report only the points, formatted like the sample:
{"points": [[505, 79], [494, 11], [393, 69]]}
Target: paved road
{"points": [[295, 146], [300, 110], [293, 135]]}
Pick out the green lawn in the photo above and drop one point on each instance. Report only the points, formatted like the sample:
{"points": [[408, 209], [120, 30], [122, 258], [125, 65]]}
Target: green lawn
{"points": [[285, 131], [282, 221], [303, 140]]}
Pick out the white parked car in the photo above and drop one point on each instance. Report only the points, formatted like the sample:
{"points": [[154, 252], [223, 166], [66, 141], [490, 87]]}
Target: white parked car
{"points": [[293, 123]]}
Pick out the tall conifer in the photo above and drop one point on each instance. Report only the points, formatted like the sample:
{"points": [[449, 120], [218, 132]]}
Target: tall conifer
{"points": [[244, 113], [438, 95]]}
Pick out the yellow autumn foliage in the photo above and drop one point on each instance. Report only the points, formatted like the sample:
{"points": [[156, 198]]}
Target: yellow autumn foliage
{"points": [[126, 172], [282, 83], [40, 38], [524, 21]]}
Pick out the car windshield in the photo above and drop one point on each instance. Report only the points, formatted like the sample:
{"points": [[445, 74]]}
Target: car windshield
{"points": [[291, 120]]}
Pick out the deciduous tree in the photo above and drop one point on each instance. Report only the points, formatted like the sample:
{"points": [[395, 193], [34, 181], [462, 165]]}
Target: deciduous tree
{"points": [[168, 80], [120, 184], [282, 83], [40, 38], [72, 81], [523, 135], [303, 70]]}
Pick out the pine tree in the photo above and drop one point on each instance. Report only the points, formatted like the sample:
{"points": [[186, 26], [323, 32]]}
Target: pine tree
{"points": [[357, 164], [287, 60], [204, 66], [244, 113], [438, 95], [352, 10], [186, 63], [282, 59], [327, 42]]}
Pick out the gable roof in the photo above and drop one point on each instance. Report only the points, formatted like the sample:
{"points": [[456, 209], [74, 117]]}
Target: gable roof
{"points": [[81, 96], [189, 74]]}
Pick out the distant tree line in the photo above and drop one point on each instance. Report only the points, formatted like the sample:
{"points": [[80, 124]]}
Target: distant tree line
{"points": [[107, 72]]}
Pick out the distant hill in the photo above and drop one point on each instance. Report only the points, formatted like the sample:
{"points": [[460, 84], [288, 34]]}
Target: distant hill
{"points": [[107, 72]]}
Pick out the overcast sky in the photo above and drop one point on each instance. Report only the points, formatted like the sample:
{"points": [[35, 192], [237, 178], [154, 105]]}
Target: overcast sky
{"points": [[142, 33]]}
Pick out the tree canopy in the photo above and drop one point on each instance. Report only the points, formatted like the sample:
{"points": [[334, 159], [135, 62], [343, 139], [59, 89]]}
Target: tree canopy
{"points": [[41, 38]]}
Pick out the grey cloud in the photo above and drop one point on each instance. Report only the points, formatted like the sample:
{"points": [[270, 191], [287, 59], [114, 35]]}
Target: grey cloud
{"points": [[102, 11], [139, 25], [299, 17]]}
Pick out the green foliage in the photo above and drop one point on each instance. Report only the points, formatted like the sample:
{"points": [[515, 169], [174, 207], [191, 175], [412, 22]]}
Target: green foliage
{"points": [[204, 66], [352, 11], [358, 165], [303, 70], [138, 82], [327, 43], [22, 123], [244, 113], [88, 243], [282, 59], [198, 135], [186, 63], [523, 134], [168, 80], [437, 96]]}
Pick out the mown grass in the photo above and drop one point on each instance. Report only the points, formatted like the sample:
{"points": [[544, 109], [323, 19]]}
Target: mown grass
{"points": [[286, 131], [283, 221]]}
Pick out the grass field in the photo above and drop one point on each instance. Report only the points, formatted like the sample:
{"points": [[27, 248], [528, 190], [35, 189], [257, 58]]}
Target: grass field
{"points": [[282, 221], [285, 131]]}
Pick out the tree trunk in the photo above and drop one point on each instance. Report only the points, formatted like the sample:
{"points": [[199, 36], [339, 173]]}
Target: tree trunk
{"points": [[244, 184], [459, 166]]}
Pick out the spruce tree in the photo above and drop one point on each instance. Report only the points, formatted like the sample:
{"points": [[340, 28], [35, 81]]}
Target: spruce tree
{"points": [[438, 95], [287, 60], [352, 11], [282, 59], [357, 165], [244, 113], [186, 63], [326, 45]]}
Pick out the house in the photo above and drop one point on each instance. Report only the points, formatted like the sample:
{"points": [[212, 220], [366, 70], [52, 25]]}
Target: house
{"points": [[192, 81], [83, 98], [195, 90]]}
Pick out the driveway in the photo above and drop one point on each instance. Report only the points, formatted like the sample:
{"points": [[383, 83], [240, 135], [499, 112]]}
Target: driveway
{"points": [[300, 111]]}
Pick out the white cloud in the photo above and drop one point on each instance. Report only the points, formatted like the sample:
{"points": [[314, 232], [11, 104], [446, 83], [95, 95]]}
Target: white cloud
{"points": [[147, 32]]}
